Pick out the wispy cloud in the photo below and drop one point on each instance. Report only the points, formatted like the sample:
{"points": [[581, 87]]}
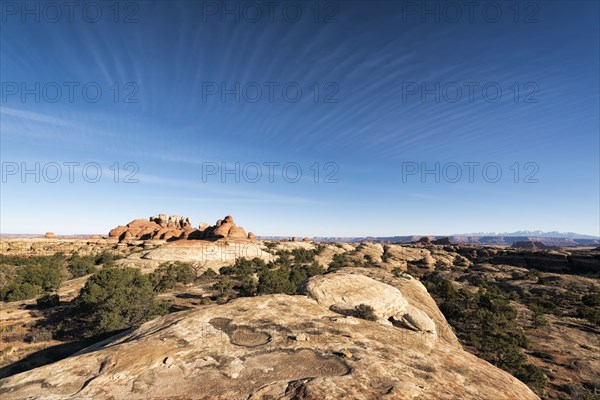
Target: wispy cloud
{"points": [[37, 117]]}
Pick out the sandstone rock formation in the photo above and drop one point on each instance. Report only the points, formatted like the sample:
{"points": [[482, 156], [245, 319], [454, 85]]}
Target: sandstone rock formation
{"points": [[51, 235], [532, 245], [442, 241], [280, 346], [346, 291], [174, 227]]}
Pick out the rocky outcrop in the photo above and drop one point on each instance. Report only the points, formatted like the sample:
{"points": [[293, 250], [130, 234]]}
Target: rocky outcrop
{"points": [[50, 235], [442, 241], [224, 229], [572, 261], [174, 227], [532, 245], [346, 291], [280, 346], [47, 247], [173, 221]]}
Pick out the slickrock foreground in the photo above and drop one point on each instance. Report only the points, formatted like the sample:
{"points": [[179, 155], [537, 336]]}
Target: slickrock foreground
{"points": [[283, 347]]}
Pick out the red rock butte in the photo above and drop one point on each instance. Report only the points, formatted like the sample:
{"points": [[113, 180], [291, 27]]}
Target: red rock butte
{"points": [[174, 227]]}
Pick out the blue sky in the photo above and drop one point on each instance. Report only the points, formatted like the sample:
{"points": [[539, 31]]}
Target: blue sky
{"points": [[379, 96]]}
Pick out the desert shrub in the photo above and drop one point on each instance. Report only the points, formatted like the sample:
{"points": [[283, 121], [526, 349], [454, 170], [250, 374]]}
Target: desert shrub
{"points": [[107, 259], [313, 269], [544, 303], [271, 245], [276, 281], [592, 314], [167, 275], [583, 390], [116, 299], [45, 272], [484, 321], [549, 280], [538, 319], [242, 267], [368, 262], [386, 257], [460, 261], [278, 276], [532, 275], [591, 299], [320, 248], [224, 287], [341, 260], [303, 256], [248, 287], [206, 301], [7, 275], [23, 278], [39, 334], [81, 265], [364, 311], [532, 376], [446, 290], [20, 291], [284, 258], [48, 300], [208, 274]]}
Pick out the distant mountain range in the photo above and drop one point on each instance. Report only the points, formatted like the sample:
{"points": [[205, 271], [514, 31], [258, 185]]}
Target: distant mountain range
{"points": [[537, 234], [568, 239]]}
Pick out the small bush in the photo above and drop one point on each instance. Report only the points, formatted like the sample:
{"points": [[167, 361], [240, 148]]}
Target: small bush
{"points": [[532, 376], [21, 291], [38, 335], [271, 245], [341, 261], [80, 266], [591, 299], [24, 278], [247, 287], [107, 259], [224, 287], [48, 300], [592, 314], [275, 281], [364, 311], [167, 275], [116, 299], [208, 274], [48, 273]]}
